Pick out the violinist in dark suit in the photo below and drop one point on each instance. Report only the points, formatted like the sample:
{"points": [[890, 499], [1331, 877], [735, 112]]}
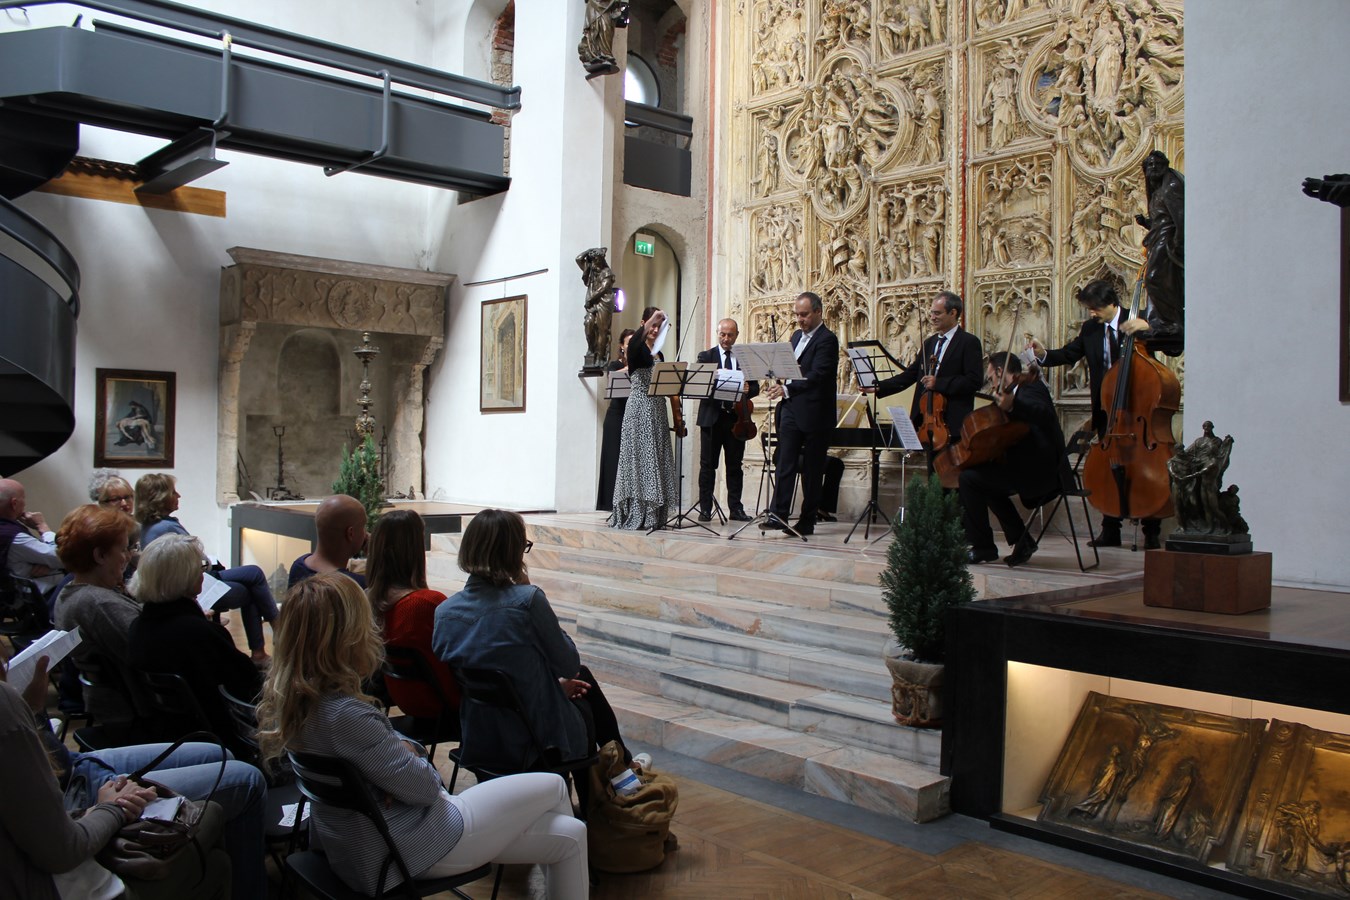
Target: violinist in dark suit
{"points": [[1034, 468], [960, 365], [715, 421], [1099, 342], [806, 416]]}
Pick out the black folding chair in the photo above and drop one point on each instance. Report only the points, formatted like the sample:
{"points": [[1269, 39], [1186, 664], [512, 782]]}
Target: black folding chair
{"points": [[334, 782], [23, 610], [282, 791], [408, 665], [1071, 489]]}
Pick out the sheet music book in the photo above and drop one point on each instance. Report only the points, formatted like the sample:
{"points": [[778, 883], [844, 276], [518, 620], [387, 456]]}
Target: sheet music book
{"points": [[55, 645], [760, 361], [904, 429], [212, 590], [729, 385], [618, 385]]}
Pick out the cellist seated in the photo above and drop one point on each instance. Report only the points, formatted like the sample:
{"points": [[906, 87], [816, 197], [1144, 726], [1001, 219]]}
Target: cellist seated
{"points": [[1035, 468]]}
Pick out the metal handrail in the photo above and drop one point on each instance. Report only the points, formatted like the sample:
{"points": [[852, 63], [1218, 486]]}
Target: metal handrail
{"points": [[660, 119], [29, 232], [306, 49]]}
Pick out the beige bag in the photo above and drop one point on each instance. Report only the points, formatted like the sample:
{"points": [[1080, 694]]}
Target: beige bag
{"points": [[628, 834]]}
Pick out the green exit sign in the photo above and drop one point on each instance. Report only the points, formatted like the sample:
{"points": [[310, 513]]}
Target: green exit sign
{"points": [[643, 245]]}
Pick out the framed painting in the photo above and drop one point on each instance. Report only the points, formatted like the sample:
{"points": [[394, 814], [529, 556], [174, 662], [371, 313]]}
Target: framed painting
{"points": [[502, 356], [134, 419]]}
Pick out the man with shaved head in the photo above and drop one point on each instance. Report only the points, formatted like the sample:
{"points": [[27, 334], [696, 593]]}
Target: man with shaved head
{"points": [[340, 523], [21, 551]]}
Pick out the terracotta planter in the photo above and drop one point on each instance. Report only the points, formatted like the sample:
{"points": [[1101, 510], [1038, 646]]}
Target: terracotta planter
{"points": [[916, 688]]}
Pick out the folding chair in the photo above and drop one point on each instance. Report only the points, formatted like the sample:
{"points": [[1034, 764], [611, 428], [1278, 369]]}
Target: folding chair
{"points": [[1071, 488], [282, 791], [23, 610], [334, 782], [407, 664]]}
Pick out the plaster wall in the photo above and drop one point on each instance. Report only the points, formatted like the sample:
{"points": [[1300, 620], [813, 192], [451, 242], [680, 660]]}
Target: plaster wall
{"points": [[151, 279], [1266, 107]]}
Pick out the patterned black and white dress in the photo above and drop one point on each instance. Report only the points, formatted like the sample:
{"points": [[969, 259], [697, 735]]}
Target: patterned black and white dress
{"points": [[646, 493]]}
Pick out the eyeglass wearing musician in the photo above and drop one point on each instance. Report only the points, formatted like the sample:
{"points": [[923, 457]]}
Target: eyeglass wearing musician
{"points": [[716, 420], [1034, 468], [955, 357]]}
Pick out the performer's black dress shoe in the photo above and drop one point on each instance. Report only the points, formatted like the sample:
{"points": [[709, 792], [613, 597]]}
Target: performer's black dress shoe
{"points": [[739, 515], [823, 516], [1106, 539], [772, 523], [704, 515], [1021, 551], [981, 556], [805, 528]]}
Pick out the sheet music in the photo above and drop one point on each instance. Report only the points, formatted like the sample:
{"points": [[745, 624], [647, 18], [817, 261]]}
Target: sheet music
{"points": [[661, 338], [862, 367], [212, 590], [729, 386], [904, 429], [55, 645]]}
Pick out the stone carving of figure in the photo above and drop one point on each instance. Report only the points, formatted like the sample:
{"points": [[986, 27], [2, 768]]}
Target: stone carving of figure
{"points": [[1173, 798], [937, 14], [1107, 51], [1300, 829], [766, 164], [1000, 106], [597, 36], [1103, 786], [1085, 226], [930, 125], [933, 227], [1165, 275], [908, 349], [599, 280]]}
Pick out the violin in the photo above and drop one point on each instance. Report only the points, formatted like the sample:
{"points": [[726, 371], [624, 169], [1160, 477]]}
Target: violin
{"points": [[677, 418], [933, 433], [1126, 469], [744, 428]]}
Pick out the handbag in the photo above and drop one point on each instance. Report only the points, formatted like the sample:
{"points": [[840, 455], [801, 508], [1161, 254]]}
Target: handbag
{"points": [[628, 833], [146, 849]]}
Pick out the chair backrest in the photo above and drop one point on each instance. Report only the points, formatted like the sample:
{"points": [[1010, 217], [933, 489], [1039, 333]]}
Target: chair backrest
{"points": [[22, 605], [493, 687], [408, 664], [173, 697], [330, 781], [244, 715]]}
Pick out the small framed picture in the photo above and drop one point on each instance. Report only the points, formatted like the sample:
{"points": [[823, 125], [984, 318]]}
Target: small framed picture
{"points": [[134, 419], [502, 356]]}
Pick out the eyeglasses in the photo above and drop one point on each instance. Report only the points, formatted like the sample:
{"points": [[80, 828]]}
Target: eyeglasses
{"points": [[116, 498], [528, 545]]}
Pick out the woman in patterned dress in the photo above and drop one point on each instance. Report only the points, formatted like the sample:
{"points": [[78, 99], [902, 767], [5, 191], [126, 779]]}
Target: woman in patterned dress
{"points": [[646, 494]]}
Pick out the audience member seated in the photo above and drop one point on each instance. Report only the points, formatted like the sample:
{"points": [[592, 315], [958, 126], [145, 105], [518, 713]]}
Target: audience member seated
{"points": [[405, 608], [501, 621], [326, 646], [173, 635], [22, 552], [95, 545], [340, 526], [156, 498], [45, 854]]}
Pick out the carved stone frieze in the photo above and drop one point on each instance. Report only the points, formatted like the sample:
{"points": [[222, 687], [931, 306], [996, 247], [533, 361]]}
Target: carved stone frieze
{"points": [[1002, 300], [777, 248], [998, 118], [844, 23], [904, 26], [997, 13], [845, 252], [1014, 220], [778, 54], [911, 223]]}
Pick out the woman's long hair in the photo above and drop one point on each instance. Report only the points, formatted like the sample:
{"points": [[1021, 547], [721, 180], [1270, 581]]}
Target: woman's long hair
{"points": [[153, 494], [324, 642], [396, 558], [493, 547]]}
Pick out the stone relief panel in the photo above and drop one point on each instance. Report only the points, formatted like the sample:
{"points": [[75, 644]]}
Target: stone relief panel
{"points": [[905, 26], [911, 226], [988, 14], [1012, 307], [1013, 226], [845, 252], [777, 248], [843, 23], [778, 51], [998, 118], [903, 314]]}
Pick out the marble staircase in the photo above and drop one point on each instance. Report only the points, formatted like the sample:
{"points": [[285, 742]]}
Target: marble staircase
{"points": [[761, 655]]}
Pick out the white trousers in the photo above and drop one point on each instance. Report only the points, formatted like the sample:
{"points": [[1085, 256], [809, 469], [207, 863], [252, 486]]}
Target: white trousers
{"points": [[521, 819]]}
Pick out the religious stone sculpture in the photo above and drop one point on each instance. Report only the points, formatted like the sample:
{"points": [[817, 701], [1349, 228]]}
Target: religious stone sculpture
{"points": [[599, 280], [1165, 275], [597, 36], [1208, 519]]}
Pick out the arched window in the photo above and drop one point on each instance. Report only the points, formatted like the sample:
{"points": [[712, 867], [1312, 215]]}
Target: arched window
{"points": [[639, 82]]}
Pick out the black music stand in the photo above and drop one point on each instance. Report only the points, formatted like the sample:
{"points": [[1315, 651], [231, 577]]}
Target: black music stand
{"points": [[690, 380], [872, 363], [772, 361]]}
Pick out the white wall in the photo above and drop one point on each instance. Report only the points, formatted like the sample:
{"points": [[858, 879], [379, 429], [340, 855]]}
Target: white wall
{"points": [[151, 278], [1268, 103]]}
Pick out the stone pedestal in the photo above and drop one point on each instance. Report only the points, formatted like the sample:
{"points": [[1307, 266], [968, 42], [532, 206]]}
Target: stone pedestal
{"points": [[1207, 582]]}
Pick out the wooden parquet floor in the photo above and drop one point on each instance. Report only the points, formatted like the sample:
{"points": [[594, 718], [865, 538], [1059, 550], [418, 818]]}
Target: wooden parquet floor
{"points": [[734, 847]]}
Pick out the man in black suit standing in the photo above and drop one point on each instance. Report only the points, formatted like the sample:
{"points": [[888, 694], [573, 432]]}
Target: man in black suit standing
{"points": [[1099, 341], [715, 420], [806, 416], [959, 363], [1034, 468]]}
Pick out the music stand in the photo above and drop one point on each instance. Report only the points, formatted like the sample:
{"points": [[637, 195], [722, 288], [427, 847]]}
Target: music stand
{"points": [[768, 361], [691, 381], [618, 385], [872, 363]]}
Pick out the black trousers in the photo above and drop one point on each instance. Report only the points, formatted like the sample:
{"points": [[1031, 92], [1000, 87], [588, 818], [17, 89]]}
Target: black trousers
{"points": [[985, 489], [812, 447], [716, 441]]}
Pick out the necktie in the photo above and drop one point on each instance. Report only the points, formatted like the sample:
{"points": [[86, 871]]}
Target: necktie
{"points": [[1113, 345], [726, 359], [937, 349], [801, 345]]}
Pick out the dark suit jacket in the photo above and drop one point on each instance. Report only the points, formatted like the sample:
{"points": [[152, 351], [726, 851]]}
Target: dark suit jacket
{"points": [[810, 399], [1088, 344], [959, 376], [1038, 459], [709, 410]]}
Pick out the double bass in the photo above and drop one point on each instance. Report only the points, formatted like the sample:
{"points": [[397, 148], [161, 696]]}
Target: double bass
{"points": [[1126, 469]]}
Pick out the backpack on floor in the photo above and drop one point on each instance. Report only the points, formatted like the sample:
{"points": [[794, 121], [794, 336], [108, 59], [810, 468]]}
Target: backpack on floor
{"points": [[628, 833]]}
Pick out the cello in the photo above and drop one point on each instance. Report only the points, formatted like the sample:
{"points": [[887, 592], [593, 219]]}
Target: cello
{"points": [[1125, 471]]}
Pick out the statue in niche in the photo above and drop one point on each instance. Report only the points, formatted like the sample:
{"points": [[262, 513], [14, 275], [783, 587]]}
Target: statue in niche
{"points": [[999, 109], [766, 164], [1196, 473], [930, 124], [596, 48], [1165, 274], [1107, 51], [599, 280]]}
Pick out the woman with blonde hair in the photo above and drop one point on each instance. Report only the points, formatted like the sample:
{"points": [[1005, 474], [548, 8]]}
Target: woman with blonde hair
{"points": [[156, 500], [326, 646]]}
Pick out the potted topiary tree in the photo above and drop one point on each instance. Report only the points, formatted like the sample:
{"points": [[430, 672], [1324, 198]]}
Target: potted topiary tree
{"points": [[359, 477], [925, 575]]}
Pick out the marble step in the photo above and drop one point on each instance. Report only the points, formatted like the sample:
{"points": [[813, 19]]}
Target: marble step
{"points": [[815, 764], [826, 669], [848, 720]]}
